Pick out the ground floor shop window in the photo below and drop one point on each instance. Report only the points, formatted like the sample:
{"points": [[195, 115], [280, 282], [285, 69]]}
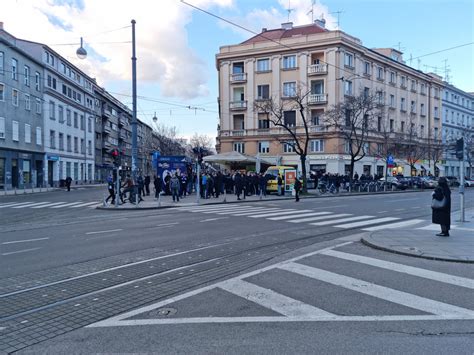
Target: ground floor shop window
{"points": [[2, 173], [318, 168], [380, 170], [76, 171], [68, 169], [26, 172], [367, 169]]}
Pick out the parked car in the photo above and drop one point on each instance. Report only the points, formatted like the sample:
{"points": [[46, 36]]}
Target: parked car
{"points": [[393, 181], [452, 180], [430, 182], [468, 182]]}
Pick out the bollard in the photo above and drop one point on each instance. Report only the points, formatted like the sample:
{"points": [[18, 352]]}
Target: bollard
{"points": [[359, 188], [136, 200], [225, 196], [159, 199], [104, 203], [24, 190], [15, 190]]}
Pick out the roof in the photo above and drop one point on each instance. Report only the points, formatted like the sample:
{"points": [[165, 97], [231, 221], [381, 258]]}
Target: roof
{"points": [[280, 33]]}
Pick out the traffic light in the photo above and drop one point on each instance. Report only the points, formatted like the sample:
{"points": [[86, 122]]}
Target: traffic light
{"points": [[460, 148], [116, 155]]}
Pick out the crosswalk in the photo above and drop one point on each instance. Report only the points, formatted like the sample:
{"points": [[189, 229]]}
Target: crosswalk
{"points": [[310, 217], [47, 204], [322, 286]]}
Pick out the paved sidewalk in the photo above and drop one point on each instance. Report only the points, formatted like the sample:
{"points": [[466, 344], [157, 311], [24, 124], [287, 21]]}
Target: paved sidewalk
{"points": [[458, 247]]}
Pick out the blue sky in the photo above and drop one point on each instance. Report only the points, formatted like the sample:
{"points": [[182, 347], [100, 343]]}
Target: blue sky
{"points": [[177, 45]]}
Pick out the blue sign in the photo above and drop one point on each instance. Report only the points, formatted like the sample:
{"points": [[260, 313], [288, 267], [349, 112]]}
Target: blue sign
{"points": [[53, 157], [390, 160]]}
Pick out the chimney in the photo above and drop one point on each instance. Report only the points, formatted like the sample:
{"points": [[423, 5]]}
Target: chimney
{"points": [[320, 22], [1, 25], [287, 25], [264, 29]]}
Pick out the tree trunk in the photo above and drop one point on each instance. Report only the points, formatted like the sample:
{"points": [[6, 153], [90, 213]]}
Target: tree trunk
{"points": [[351, 171], [303, 170]]}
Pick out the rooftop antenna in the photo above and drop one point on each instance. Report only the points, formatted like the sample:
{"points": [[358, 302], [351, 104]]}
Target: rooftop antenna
{"points": [[289, 10], [312, 11], [338, 17], [446, 71], [411, 59], [419, 63]]}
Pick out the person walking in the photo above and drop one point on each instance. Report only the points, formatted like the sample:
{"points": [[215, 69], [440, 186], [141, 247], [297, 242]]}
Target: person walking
{"points": [[174, 186], [68, 183], [441, 207], [147, 185], [111, 189], [238, 184], [280, 184], [141, 187], [297, 187], [158, 185]]}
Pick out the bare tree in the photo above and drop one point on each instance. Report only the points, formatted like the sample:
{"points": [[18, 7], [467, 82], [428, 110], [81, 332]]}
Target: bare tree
{"points": [[436, 151], [411, 146], [201, 141], [387, 145], [353, 120], [282, 113]]}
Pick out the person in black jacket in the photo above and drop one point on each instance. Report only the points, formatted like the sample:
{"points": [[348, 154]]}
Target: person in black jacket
{"points": [[147, 185], [158, 185], [297, 187], [238, 184], [442, 216]]}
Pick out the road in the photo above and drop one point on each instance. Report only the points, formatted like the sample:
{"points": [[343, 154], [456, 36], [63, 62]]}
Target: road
{"points": [[264, 277]]}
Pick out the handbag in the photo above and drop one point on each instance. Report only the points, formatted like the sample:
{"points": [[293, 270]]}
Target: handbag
{"points": [[438, 204]]}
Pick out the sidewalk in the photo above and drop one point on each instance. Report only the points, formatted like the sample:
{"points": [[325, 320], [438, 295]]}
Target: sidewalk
{"points": [[458, 247], [35, 190]]}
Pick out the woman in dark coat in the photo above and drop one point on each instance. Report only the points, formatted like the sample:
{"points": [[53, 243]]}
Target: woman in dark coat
{"points": [[442, 216]]}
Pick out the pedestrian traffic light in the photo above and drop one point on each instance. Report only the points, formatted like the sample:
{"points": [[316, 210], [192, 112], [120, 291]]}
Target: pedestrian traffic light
{"points": [[460, 148], [116, 155]]}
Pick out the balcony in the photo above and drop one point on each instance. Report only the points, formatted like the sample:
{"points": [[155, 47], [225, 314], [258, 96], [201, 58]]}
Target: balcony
{"points": [[317, 99], [314, 129], [318, 69], [238, 105], [122, 121], [238, 78], [107, 145], [107, 129]]}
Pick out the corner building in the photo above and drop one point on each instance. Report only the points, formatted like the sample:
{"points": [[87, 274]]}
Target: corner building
{"points": [[331, 65]]}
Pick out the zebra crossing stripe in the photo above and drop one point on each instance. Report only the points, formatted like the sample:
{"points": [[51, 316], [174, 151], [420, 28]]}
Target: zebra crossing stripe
{"points": [[382, 292], [67, 204], [318, 218], [49, 205], [282, 212], [209, 207], [31, 204], [348, 219], [394, 225], [215, 210], [410, 270], [266, 210], [301, 215], [270, 299], [85, 204], [218, 208], [15, 204], [367, 223], [253, 210]]}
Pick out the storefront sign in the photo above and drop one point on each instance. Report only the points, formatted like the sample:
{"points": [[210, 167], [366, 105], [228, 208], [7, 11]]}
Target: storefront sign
{"points": [[53, 157]]}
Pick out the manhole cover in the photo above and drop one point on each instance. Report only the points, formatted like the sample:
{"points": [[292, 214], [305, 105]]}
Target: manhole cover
{"points": [[163, 312]]}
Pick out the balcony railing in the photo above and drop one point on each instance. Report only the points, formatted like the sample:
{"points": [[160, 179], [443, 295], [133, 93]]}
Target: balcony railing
{"points": [[107, 129], [238, 78], [238, 105], [317, 69], [316, 99], [317, 128]]}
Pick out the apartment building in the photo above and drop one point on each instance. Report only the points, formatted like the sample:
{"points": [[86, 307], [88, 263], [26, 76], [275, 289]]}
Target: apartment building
{"points": [[21, 116], [329, 66], [458, 121]]}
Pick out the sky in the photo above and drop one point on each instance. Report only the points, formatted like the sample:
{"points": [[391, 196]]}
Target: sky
{"points": [[177, 44]]}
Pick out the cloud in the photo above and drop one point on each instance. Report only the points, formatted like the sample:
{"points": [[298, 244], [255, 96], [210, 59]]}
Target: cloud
{"points": [[164, 56]]}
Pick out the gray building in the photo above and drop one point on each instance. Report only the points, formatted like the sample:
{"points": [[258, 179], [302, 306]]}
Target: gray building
{"points": [[21, 116]]}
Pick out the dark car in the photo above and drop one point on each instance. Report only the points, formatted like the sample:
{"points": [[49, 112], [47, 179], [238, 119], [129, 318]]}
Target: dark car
{"points": [[452, 180]]}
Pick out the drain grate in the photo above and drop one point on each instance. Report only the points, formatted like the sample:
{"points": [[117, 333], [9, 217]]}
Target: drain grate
{"points": [[163, 312]]}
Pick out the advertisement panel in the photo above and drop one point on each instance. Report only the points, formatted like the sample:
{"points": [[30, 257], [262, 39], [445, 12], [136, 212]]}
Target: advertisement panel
{"points": [[290, 177]]}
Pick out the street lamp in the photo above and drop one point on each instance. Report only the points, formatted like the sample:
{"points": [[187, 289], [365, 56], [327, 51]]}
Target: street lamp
{"points": [[81, 52]]}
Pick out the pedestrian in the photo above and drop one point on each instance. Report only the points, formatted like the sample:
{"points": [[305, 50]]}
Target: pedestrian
{"points": [[280, 184], [238, 184], [111, 188], [297, 187], [147, 185], [68, 183], [141, 187], [183, 182], [262, 181], [441, 207], [174, 186], [167, 184], [158, 185]]}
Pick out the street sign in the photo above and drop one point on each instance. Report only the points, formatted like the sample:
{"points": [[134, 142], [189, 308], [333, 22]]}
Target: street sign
{"points": [[460, 148]]}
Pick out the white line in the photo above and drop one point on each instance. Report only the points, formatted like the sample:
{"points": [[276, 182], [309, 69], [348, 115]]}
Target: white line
{"points": [[212, 219], [301, 215], [367, 223], [31, 204], [20, 251], [24, 241], [309, 219], [266, 210], [15, 204], [269, 299], [382, 212], [394, 225], [400, 209], [288, 211], [385, 293], [348, 219], [107, 231], [67, 204], [210, 207], [167, 224], [254, 210], [85, 204], [49, 205], [410, 270], [402, 200], [215, 210]]}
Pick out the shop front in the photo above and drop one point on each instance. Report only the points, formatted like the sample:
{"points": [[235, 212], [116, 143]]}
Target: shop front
{"points": [[19, 170]]}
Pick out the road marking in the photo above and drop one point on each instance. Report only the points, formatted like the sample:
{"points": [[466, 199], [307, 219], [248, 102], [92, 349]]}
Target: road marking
{"points": [[301, 215], [366, 223], [212, 219], [254, 210], [356, 218], [382, 292], [266, 210], [24, 241], [309, 219], [107, 231], [67, 204], [15, 204], [410, 270], [400, 209], [282, 212], [85, 204], [395, 225], [382, 212], [49, 205], [415, 208], [20, 251], [270, 299], [210, 207], [31, 204], [167, 224], [402, 200]]}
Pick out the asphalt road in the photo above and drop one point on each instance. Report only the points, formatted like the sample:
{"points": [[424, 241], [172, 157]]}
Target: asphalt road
{"points": [[63, 269]]}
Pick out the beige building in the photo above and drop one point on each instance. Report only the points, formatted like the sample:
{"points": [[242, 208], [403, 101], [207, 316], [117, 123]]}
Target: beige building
{"points": [[329, 65]]}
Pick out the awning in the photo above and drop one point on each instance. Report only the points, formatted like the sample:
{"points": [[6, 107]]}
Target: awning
{"points": [[232, 157]]}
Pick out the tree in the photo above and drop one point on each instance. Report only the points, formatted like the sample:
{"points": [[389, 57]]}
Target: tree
{"points": [[411, 146], [353, 120], [201, 141], [436, 152], [282, 114], [388, 142]]}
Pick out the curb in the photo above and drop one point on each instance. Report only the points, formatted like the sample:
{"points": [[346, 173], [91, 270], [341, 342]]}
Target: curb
{"points": [[378, 247]]}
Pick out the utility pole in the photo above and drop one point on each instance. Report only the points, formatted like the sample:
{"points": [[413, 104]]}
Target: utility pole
{"points": [[134, 111], [460, 156]]}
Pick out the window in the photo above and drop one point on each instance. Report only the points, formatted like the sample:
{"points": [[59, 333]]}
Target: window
{"points": [[263, 121], [349, 60], [14, 69], [422, 130], [347, 146], [316, 145], [89, 125], [26, 79], [83, 123], [52, 139], [436, 133], [413, 85], [37, 81], [366, 68], [52, 110], [2, 92], [348, 118], [38, 106], [68, 117], [380, 73], [289, 118], [2, 61], [76, 120], [89, 147], [402, 104], [68, 143], [2, 127], [391, 125], [76, 145], [264, 147], [379, 124], [402, 126], [39, 136], [436, 113], [380, 148], [347, 87], [404, 82], [60, 114], [239, 147], [392, 101], [14, 97], [289, 89], [392, 77], [288, 147], [83, 148], [366, 92], [15, 131], [422, 109], [263, 92], [289, 62], [380, 97], [27, 133], [61, 141], [423, 88], [263, 64], [436, 93], [50, 59], [413, 107], [27, 102]]}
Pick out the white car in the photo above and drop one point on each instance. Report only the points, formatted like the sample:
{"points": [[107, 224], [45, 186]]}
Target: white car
{"points": [[469, 182]]}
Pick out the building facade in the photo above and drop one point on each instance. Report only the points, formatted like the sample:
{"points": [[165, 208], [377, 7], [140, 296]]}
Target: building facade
{"points": [[21, 116], [329, 66], [458, 121]]}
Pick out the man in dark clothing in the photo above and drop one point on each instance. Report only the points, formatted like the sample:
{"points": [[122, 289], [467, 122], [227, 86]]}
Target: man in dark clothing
{"points": [[158, 185], [218, 183], [68, 183], [111, 189], [279, 184], [262, 182], [167, 184], [184, 183], [297, 188], [238, 185], [141, 187], [442, 216], [147, 185]]}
